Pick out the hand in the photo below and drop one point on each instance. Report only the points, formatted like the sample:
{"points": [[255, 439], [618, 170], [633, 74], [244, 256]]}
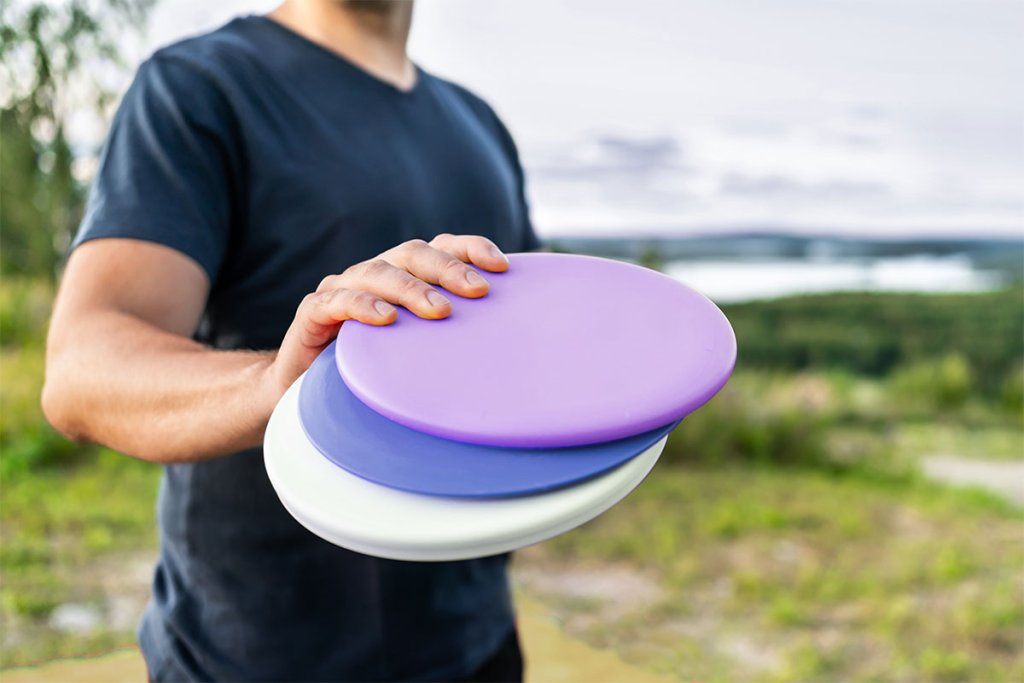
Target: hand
{"points": [[366, 291]]}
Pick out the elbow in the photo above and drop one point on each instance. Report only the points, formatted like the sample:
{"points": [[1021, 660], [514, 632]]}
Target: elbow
{"points": [[58, 403]]}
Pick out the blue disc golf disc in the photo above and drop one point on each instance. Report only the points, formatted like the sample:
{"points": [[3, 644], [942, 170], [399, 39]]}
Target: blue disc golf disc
{"points": [[369, 445]]}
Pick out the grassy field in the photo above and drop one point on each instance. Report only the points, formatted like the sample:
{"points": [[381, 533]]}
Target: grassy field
{"points": [[75, 522], [81, 535], [786, 534], [761, 574]]}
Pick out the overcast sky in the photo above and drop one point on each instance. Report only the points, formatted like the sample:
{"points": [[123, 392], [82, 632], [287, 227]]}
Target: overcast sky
{"points": [[886, 117]]}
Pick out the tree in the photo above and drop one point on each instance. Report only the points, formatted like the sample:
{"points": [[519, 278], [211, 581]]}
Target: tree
{"points": [[52, 59], [652, 256]]}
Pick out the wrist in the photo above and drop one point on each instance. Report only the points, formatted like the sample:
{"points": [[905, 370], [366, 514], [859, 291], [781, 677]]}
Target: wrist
{"points": [[270, 388]]}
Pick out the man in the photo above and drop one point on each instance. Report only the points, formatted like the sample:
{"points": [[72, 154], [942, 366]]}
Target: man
{"points": [[261, 185]]}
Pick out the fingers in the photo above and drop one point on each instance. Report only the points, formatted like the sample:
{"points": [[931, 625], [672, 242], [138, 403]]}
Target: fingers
{"points": [[320, 313], [474, 249], [438, 267], [403, 276], [394, 284]]}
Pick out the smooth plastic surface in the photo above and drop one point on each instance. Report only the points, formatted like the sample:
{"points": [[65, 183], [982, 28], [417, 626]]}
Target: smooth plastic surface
{"points": [[369, 445], [564, 351], [377, 520]]}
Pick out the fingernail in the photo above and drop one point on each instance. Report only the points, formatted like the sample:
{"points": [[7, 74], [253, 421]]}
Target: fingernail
{"points": [[436, 299], [384, 308], [496, 253], [474, 278]]}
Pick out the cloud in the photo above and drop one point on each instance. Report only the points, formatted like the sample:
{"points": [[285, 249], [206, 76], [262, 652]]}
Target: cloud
{"points": [[617, 174], [656, 152], [613, 158], [778, 186], [852, 172]]}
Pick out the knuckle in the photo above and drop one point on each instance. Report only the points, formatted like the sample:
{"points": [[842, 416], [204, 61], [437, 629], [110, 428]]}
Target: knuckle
{"points": [[362, 299], [453, 268], [409, 286], [414, 244], [327, 296], [374, 267]]}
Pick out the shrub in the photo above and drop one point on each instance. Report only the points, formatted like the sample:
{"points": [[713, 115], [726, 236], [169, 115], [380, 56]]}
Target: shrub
{"points": [[24, 312], [738, 425], [942, 384], [875, 334], [1012, 391]]}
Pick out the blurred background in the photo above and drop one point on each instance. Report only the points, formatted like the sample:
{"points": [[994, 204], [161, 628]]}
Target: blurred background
{"points": [[846, 179]]}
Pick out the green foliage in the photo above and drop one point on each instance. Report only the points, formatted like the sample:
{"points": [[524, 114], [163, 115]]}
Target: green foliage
{"points": [[652, 257], [41, 201], [49, 54], [874, 334], [917, 439], [741, 425], [939, 385], [1012, 390], [808, 662], [941, 665], [24, 312], [26, 440]]}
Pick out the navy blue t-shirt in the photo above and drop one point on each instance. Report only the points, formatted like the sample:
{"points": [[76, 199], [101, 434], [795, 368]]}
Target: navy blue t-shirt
{"points": [[273, 162]]}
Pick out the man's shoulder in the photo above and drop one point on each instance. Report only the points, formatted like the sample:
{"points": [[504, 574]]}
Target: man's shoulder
{"points": [[218, 54], [471, 99]]}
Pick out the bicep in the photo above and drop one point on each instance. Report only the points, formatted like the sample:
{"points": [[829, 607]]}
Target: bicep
{"points": [[145, 281]]}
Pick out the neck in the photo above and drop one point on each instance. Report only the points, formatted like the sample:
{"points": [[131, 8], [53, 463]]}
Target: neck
{"points": [[369, 33]]}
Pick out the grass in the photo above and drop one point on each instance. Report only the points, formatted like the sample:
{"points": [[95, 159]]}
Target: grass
{"points": [[929, 438], [842, 577], [836, 422], [65, 536], [72, 518]]}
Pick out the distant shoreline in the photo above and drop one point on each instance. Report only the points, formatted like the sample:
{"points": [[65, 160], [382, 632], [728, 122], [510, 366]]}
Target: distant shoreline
{"points": [[761, 245], [747, 267]]}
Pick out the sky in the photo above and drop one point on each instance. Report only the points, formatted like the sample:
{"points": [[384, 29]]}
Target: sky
{"points": [[887, 118]]}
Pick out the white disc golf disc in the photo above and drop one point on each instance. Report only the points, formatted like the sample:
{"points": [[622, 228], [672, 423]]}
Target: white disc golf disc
{"points": [[357, 514]]}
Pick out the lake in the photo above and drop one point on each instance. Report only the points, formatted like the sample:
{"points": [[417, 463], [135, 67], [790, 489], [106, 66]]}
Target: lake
{"points": [[734, 280]]}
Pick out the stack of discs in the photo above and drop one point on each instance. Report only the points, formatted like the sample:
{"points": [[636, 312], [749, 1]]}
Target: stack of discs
{"points": [[520, 416]]}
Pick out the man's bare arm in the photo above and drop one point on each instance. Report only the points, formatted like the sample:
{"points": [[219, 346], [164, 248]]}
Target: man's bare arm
{"points": [[122, 369]]}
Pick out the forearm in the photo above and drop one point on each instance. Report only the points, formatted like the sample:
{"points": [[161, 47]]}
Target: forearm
{"points": [[121, 368], [119, 381]]}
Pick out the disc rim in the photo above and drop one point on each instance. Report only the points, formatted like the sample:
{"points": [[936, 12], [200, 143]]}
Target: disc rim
{"points": [[322, 510], [696, 380]]}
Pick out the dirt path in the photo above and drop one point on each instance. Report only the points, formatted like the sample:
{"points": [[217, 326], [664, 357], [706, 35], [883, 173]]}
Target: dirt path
{"points": [[998, 476], [552, 657], [119, 667]]}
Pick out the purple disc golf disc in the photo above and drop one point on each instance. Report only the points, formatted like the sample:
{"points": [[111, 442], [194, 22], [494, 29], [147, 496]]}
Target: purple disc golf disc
{"points": [[373, 447], [563, 351]]}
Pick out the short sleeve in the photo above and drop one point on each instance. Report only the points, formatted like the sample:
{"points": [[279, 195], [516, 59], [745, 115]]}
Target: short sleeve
{"points": [[169, 166], [531, 241]]}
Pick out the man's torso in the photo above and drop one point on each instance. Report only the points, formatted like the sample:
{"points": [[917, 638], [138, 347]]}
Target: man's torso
{"points": [[323, 166]]}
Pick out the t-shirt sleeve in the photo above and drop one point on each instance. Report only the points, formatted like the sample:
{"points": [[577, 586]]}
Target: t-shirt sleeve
{"points": [[531, 241], [168, 166]]}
